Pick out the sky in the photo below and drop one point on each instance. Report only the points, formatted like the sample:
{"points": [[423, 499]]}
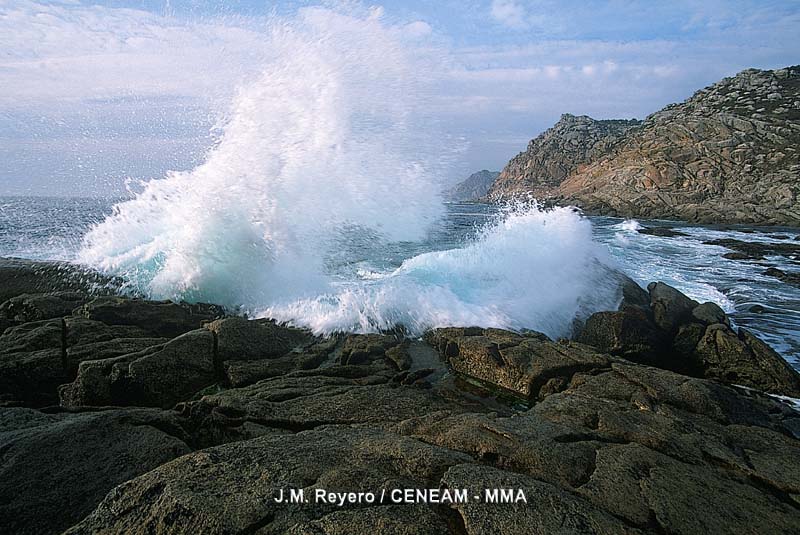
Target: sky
{"points": [[96, 95]]}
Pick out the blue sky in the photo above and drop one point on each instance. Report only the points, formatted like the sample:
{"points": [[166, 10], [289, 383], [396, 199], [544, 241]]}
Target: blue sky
{"points": [[94, 93]]}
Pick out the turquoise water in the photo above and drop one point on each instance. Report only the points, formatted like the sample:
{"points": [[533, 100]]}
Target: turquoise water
{"points": [[461, 271]]}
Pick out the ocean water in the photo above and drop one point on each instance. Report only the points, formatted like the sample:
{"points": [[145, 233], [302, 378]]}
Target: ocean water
{"points": [[479, 264]]}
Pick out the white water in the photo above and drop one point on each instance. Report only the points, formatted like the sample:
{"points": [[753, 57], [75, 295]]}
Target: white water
{"points": [[530, 269], [322, 148]]}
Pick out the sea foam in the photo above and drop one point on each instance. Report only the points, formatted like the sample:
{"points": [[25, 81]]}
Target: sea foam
{"points": [[324, 148]]}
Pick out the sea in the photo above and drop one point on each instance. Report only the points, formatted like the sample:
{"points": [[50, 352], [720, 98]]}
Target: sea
{"points": [[518, 267]]}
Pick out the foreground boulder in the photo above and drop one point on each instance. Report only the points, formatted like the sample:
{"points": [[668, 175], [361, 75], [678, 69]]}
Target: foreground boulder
{"points": [[57, 467]]}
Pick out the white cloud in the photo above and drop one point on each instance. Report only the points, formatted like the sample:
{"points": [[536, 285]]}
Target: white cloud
{"points": [[509, 13], [84, 71], [417, 29]]}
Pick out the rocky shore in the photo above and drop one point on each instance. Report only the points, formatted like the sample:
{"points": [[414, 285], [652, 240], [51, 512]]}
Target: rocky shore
{"points": [[123, 415]]}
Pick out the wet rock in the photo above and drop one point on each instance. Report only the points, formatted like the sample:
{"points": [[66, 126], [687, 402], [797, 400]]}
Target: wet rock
{"points": [[159, 318], [742, 256], [358, 349], [32, 363], [35, 307], [19, 276], [745, 360], [788, 278], [758, 309], [709, 313], [757, 250], [632, 294], [629, 333], [663, 232], [520, 364], [242, 339], [159, 376], [670, 307], [400, 356], [57, 467]]}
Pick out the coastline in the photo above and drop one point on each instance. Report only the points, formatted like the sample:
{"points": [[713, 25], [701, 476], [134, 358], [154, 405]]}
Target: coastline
{"points": [[247, 408]]}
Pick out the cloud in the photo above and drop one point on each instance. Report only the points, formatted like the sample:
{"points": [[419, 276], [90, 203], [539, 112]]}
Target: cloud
{"points": [[509, 13], [82, 75]]}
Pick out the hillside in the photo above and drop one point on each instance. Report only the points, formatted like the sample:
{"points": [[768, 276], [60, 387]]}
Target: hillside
{"points": [[473, 187], [557, 153], [727, 154]]}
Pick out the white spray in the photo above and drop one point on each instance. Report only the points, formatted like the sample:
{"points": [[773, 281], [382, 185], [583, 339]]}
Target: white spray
{"points": [[326, 141]]}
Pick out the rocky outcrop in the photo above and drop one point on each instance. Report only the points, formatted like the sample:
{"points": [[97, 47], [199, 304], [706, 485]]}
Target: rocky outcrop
{"points": [[727, 154], [679, 334], [595, 443], [31, 277], [56, 467], [473, 187], [560, 151]]}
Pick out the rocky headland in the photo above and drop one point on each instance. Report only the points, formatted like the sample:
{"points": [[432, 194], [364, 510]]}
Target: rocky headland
{"points": [[728, 154], [123, 415], [473, 188]]}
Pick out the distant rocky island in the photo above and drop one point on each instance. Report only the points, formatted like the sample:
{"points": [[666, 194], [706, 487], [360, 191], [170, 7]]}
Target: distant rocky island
{"points": [[728, 154], [475, 187]]}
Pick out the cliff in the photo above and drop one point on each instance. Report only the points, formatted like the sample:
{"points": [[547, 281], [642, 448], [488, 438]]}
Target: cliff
{"points": [[474, 187], [558, 153], [727, 154]]}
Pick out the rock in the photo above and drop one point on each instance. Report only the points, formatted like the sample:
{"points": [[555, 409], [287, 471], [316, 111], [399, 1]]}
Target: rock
{"points": [[663, 232], [232, 488], [19, 276], [395, 519], [756, 250], [34, 307], [709, 313], [758, 309], [241, 339], [522, 365], [709, 159], [557, 153], [37, 357], [547, 508], [629, 333], [744, 360], [474, 187], [159, 318], [632, 293], [246, 372], [32, 363], [670, 307], [57, 467], [358, 349], [788, 278], [159, 376], [337, 395], [400, 356], [742, 256]]}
